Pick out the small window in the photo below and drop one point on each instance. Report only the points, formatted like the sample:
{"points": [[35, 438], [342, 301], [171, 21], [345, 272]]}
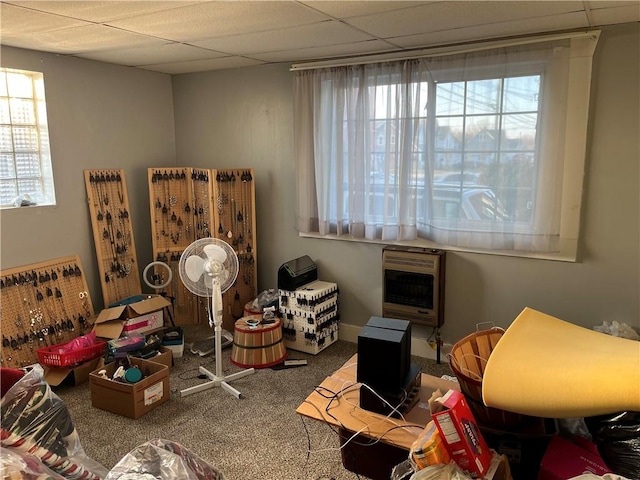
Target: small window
{"points": [[26, 176]]}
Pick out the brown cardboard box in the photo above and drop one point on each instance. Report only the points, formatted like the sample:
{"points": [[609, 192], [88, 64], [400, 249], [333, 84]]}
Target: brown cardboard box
{"points": [[77, 375], [139, 317], [165, 357], [498, 469], [131, 400]]}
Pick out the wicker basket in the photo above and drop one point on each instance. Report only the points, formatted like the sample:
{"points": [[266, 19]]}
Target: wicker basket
{"points": [[468, 359]]}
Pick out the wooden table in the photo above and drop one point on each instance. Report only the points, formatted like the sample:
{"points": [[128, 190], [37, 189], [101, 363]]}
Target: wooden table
{"points": [[393, 437]]}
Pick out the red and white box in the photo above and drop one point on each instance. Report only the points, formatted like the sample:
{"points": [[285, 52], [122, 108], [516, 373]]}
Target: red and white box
{"points": [[461, 435]]}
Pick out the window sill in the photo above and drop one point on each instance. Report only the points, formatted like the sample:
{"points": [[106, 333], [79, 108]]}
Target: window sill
{"points": [[568, 253], [26, 207]]}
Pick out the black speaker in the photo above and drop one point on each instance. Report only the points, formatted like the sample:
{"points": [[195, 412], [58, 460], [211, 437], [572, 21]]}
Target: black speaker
{"points": [[384, 353], [402, 399]]}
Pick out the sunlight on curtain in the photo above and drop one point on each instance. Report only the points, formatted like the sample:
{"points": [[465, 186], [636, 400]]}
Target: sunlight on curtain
{"points": [[470, 150]]}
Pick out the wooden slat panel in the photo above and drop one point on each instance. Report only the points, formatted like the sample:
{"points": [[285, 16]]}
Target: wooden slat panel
{"points": [[470, 361], [484, 350], [190, 203], [113, 234]]}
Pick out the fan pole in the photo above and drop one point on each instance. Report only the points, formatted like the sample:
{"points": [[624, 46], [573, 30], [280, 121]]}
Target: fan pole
{"points": [[217, 379]]}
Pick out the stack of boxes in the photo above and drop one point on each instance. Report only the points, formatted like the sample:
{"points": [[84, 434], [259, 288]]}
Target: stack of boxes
{"points": [[310, 316]]}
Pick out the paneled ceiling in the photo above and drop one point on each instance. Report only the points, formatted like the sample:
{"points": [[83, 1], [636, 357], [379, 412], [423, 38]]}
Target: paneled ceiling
{"points": [[177, 37]]}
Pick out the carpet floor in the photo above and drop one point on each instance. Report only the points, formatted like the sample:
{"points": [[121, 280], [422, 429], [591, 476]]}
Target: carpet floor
{"points": [[258, 436]]}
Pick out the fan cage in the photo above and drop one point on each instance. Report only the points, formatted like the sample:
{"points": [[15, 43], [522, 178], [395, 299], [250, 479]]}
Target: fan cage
{"points": [[197, 248]]}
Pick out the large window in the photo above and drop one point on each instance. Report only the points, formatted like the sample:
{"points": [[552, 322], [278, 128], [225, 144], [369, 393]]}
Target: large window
{"points": [[482, 150], [25, 159]]}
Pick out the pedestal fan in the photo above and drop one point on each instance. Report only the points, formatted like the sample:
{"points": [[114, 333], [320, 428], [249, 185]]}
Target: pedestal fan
{"points": [[208, 268]]}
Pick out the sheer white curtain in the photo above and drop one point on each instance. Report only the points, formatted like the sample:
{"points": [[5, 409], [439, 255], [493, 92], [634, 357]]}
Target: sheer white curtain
{"points": [[356, 135], [475, 150]]}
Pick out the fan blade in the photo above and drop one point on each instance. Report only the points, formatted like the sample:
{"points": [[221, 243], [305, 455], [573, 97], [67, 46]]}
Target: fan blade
{"points": [[194, 267], [208, 282], [215, 252]]}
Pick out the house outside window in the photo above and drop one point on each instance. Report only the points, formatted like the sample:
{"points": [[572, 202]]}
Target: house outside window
{"points": [[26, 176]]}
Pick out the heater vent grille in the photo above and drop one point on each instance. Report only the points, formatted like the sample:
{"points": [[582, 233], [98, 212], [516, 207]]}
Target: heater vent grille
{"points": [[413, 284]]}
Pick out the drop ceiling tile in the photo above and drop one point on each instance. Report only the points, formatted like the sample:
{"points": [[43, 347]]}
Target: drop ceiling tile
{"points": [[202, 65], [215, 19], [612, 4], [16, 22], [619, 14], [503, 29], [168, 53], [330, 51], [349, 9], [439, 16], [99, 11], [315, 35], [91, 38]]}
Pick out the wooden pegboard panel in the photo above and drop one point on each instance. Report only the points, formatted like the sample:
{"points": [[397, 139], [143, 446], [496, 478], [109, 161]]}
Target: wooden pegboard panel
{"points": [[234, 196], [202, 201], [172, 208], [190, 203], [113, 234], [181, 212], [185, 305], [43, 304]]}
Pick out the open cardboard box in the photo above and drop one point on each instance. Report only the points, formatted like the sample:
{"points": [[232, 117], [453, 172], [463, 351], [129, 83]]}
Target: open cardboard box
{"points": [[498, 469], [137, 317], [131, 399], [164, 357], [76, 375]]}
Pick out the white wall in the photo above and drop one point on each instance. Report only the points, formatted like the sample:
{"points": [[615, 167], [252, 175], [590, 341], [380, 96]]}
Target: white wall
{"points": [[105, 116], [101, 116], [243, 118]]}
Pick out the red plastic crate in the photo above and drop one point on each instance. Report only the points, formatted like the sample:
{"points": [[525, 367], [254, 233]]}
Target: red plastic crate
{"points": [[47, 355]]}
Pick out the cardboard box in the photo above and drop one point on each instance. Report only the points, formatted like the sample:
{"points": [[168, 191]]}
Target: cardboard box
{"points": [[429, 449], [461, 434], [137, 317], [77, 375], [131, 400], [499, 469], [165, 357], [565, 459]]}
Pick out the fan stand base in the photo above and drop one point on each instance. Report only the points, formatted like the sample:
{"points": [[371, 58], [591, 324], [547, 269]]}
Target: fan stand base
{"points": [[216, 381], [227, 340]]}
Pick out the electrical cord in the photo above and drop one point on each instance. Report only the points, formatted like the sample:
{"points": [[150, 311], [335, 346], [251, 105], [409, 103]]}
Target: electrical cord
{"points": [[347, 443], [309, 450], [335, 395]]}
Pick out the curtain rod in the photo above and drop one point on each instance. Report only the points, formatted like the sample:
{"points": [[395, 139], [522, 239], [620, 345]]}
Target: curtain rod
{"points": [[442, 50]]}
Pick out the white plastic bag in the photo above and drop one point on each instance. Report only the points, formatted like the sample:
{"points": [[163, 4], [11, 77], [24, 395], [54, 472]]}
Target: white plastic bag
{"points": [[160, 459], [617, 329], [36, 422]]}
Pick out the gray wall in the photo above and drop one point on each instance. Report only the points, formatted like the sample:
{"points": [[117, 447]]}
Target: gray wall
{"points": [[100, 116], [104, 116]]}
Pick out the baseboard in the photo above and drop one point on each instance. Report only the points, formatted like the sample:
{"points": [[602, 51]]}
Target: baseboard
{"points": [[419, 346]]}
